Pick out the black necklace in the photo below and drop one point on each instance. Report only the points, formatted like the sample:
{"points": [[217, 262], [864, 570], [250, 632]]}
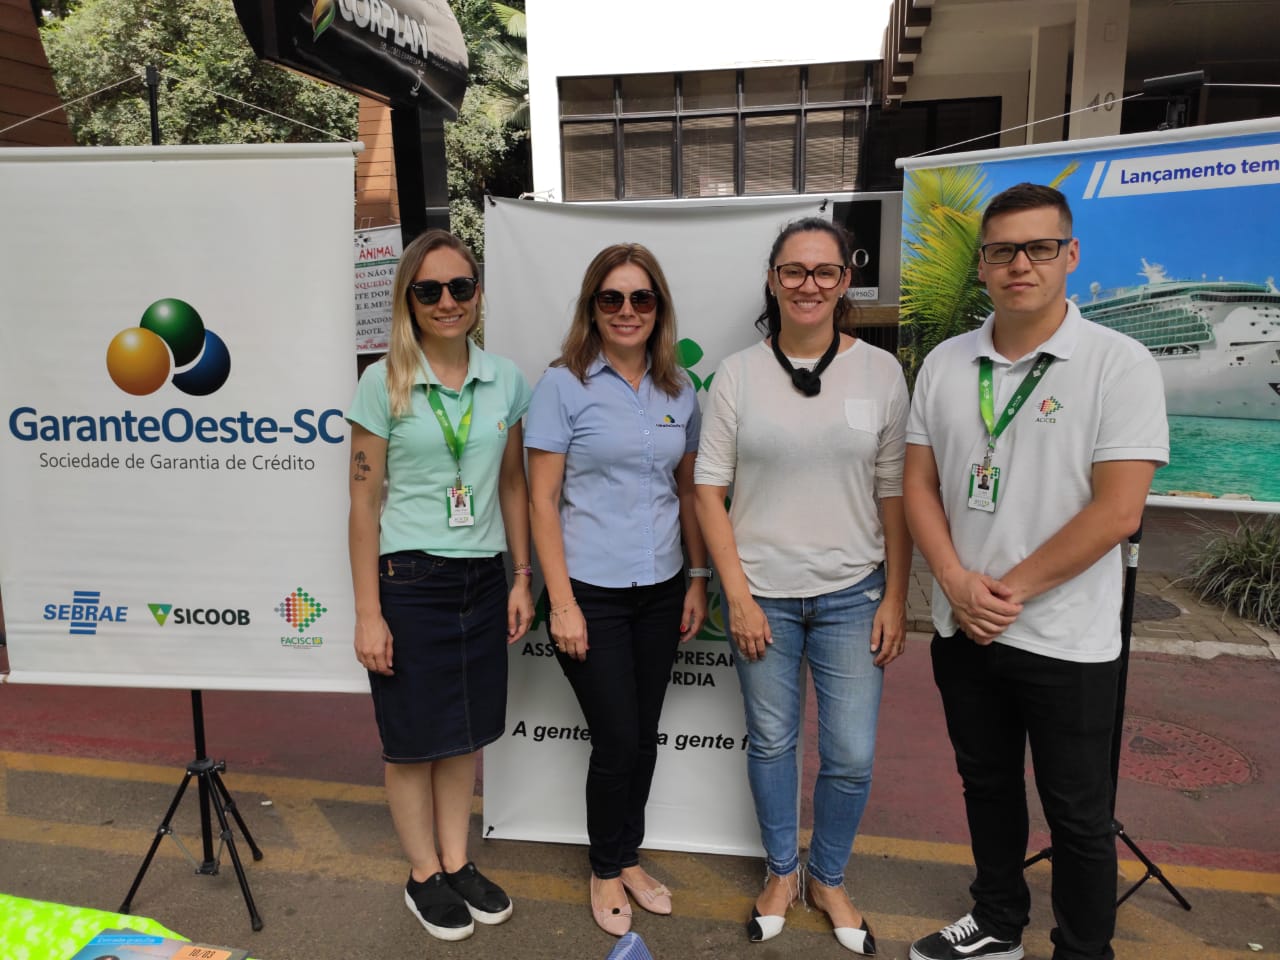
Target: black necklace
{"points": [[808, 382]]}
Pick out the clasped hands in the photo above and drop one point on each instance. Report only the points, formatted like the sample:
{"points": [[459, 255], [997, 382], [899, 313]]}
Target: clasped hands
{"points": [[983, 606]]}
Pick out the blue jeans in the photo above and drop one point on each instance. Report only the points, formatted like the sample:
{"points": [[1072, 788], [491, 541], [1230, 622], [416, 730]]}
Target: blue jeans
{"points": [[832, 633]]}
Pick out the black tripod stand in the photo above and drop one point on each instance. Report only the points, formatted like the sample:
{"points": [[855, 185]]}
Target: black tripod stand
{"points": [[1117, 737], [213, 792]]}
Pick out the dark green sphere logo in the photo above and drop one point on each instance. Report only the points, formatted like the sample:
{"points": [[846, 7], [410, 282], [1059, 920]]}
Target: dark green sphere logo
{"points": [[170, 336]]}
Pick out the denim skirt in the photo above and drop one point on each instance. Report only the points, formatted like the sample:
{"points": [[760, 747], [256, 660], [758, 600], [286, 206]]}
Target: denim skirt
{"points": [[448, 622]]}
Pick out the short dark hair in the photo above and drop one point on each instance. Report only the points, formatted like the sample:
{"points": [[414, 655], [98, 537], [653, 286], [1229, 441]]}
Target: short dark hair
{"points": [[1027, 196], [770, 320]]}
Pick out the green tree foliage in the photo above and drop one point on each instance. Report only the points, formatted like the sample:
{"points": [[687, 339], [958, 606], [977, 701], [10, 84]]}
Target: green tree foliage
{"points": [[199, 49], [488, 145]]}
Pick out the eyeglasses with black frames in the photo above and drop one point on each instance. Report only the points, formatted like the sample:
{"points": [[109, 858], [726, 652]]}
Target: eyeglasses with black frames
{"points": [[611, 301], [1037, 251], [428, 292], [793, 275]]}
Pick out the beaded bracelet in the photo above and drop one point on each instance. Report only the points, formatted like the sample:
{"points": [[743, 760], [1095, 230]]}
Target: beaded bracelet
{"points": [[522, 570], [563, 608]]}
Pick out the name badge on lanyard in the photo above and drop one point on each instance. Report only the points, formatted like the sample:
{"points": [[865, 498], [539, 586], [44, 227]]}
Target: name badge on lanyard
{"points": [[984, 478], [460, 498]]}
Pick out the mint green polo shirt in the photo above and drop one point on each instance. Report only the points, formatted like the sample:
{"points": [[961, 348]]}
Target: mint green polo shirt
{"points": [[420, 467]]}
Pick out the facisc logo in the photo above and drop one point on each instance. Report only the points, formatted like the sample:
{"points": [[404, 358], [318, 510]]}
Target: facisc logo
{"points": [[170, 335], [200, 616], [85, 612], [300, 609]]}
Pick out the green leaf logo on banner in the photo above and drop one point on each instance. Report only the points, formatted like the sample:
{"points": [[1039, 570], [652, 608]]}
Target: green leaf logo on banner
{"points": [[321, 17], [160, 611]]}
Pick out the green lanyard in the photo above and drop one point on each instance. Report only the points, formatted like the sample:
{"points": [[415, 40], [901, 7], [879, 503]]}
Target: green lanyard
{"points": [[455, 442], [986, 396]]}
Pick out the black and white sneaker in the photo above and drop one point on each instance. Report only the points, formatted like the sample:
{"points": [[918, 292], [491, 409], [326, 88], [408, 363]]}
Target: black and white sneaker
{"points": [[439, 908], [484, 898], [964, 940]]}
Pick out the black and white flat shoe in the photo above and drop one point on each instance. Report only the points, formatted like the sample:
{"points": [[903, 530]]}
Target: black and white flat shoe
{"points": [[763, 927], [857, 939]]}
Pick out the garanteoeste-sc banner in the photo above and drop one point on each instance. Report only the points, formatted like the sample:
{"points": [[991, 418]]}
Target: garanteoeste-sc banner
{"points": [[175, 358]]}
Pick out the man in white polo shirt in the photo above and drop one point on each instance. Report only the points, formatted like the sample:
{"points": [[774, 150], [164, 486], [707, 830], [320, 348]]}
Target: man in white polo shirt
{"points": [[1031, 446]]}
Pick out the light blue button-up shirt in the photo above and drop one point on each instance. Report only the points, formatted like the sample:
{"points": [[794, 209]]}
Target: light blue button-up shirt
{"points": [[619, 510]]}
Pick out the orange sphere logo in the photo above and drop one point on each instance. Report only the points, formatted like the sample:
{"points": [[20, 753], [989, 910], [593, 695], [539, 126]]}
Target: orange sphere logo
{"points": [[170, 335], [138, 361]]}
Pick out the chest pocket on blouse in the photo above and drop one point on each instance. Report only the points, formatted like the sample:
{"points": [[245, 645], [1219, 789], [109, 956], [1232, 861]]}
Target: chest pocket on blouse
{"points": [[862, 415]]}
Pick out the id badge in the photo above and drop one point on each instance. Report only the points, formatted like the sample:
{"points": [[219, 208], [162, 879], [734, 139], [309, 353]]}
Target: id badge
{"points": [[984, 487], [459, 500]]}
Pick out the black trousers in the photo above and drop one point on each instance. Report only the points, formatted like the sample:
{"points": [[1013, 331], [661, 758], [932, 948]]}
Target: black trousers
{"points": [[996, 699], [632, 635]]}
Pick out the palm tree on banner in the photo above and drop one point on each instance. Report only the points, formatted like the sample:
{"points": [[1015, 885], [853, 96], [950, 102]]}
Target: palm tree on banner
{"points": [[941, 293]]}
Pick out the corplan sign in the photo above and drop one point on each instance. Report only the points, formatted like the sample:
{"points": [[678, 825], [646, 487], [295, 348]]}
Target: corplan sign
{"points": [[400, 51]]}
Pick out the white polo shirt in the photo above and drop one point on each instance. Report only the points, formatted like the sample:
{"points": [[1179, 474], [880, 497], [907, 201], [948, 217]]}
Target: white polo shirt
{"points": [[1101, 399]]}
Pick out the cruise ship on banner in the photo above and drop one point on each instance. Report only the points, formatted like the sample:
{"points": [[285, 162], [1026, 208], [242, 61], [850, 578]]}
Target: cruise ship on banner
{"points": [[1218, 342]]}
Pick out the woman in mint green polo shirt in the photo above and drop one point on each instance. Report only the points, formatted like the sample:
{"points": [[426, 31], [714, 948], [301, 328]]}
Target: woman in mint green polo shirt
{"points": [[439, 420]]}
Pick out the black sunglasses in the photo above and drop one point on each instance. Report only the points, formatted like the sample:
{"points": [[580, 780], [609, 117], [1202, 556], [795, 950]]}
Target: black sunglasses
{"points": [[428, 292], [611, 301]]}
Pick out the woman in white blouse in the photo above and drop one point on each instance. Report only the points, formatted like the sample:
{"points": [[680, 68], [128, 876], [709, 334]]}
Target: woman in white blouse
{"points": [[809, 427]]}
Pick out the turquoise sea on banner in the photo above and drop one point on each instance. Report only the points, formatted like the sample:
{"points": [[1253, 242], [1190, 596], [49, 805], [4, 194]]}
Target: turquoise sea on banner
{"points": [[1220, 456]]}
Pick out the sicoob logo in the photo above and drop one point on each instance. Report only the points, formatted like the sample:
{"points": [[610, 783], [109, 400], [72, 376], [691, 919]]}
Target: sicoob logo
{"points": [[300, 609], [139, 358]]}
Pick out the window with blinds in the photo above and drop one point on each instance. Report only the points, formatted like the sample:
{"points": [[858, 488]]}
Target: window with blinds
{"points": [[715, 133], [832, 143], [589, 161], [647, 147]]}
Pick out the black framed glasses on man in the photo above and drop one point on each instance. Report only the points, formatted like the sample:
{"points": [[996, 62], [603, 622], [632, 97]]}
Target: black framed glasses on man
{"points": [[1037, 251]]}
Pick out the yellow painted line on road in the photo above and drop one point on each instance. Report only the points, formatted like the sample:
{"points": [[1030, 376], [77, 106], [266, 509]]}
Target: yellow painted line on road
{"points": [[316, 836]]}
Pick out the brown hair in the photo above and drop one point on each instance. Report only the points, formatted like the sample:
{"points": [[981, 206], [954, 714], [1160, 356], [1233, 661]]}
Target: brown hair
{"points": [[1027, 196], [404, 355], [582, 343]]}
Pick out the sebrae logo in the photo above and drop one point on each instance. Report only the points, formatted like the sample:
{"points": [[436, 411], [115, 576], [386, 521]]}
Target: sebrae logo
{"points": [[85, 611], [170, 336]]}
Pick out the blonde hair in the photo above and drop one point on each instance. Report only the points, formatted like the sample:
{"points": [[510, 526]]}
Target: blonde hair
{"points": [[404, 354], [582, 344]]}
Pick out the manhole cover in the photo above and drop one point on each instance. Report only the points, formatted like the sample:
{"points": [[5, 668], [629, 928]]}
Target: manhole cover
{"points": [[1147, 607], [1170, 755]]}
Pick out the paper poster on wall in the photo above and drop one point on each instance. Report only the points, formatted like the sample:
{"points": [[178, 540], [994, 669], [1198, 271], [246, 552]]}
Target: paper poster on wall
{"points": [[377, 250], [175, 359], [1173, 229]]}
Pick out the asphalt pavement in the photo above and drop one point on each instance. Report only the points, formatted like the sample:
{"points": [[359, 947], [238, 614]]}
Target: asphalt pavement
{"points": [[87, 773]]}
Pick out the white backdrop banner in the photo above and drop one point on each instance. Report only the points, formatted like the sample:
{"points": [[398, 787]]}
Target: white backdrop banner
{"points": [[715, 256], [175, 359]]}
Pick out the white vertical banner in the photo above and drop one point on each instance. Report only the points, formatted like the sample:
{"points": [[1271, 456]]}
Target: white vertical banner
{"points": [[715, 256], [175, 360]]}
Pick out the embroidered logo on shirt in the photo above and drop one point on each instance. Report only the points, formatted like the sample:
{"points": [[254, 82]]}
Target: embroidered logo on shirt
{"points": [[1048, 407], [668, 421], [502, 425]]}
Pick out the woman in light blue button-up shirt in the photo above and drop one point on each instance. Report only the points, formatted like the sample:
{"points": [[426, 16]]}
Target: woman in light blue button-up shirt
{"points": [[612, 433]]}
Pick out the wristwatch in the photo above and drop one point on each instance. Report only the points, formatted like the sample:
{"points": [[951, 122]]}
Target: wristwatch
{"points": [[700, 572]]}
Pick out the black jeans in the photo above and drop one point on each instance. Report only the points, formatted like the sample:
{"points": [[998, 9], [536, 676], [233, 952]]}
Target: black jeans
{"points": [[997, 698], [632, 635]]}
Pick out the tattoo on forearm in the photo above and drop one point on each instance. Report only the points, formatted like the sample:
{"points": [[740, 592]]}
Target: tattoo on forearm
{"points": [[362, 466]]}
